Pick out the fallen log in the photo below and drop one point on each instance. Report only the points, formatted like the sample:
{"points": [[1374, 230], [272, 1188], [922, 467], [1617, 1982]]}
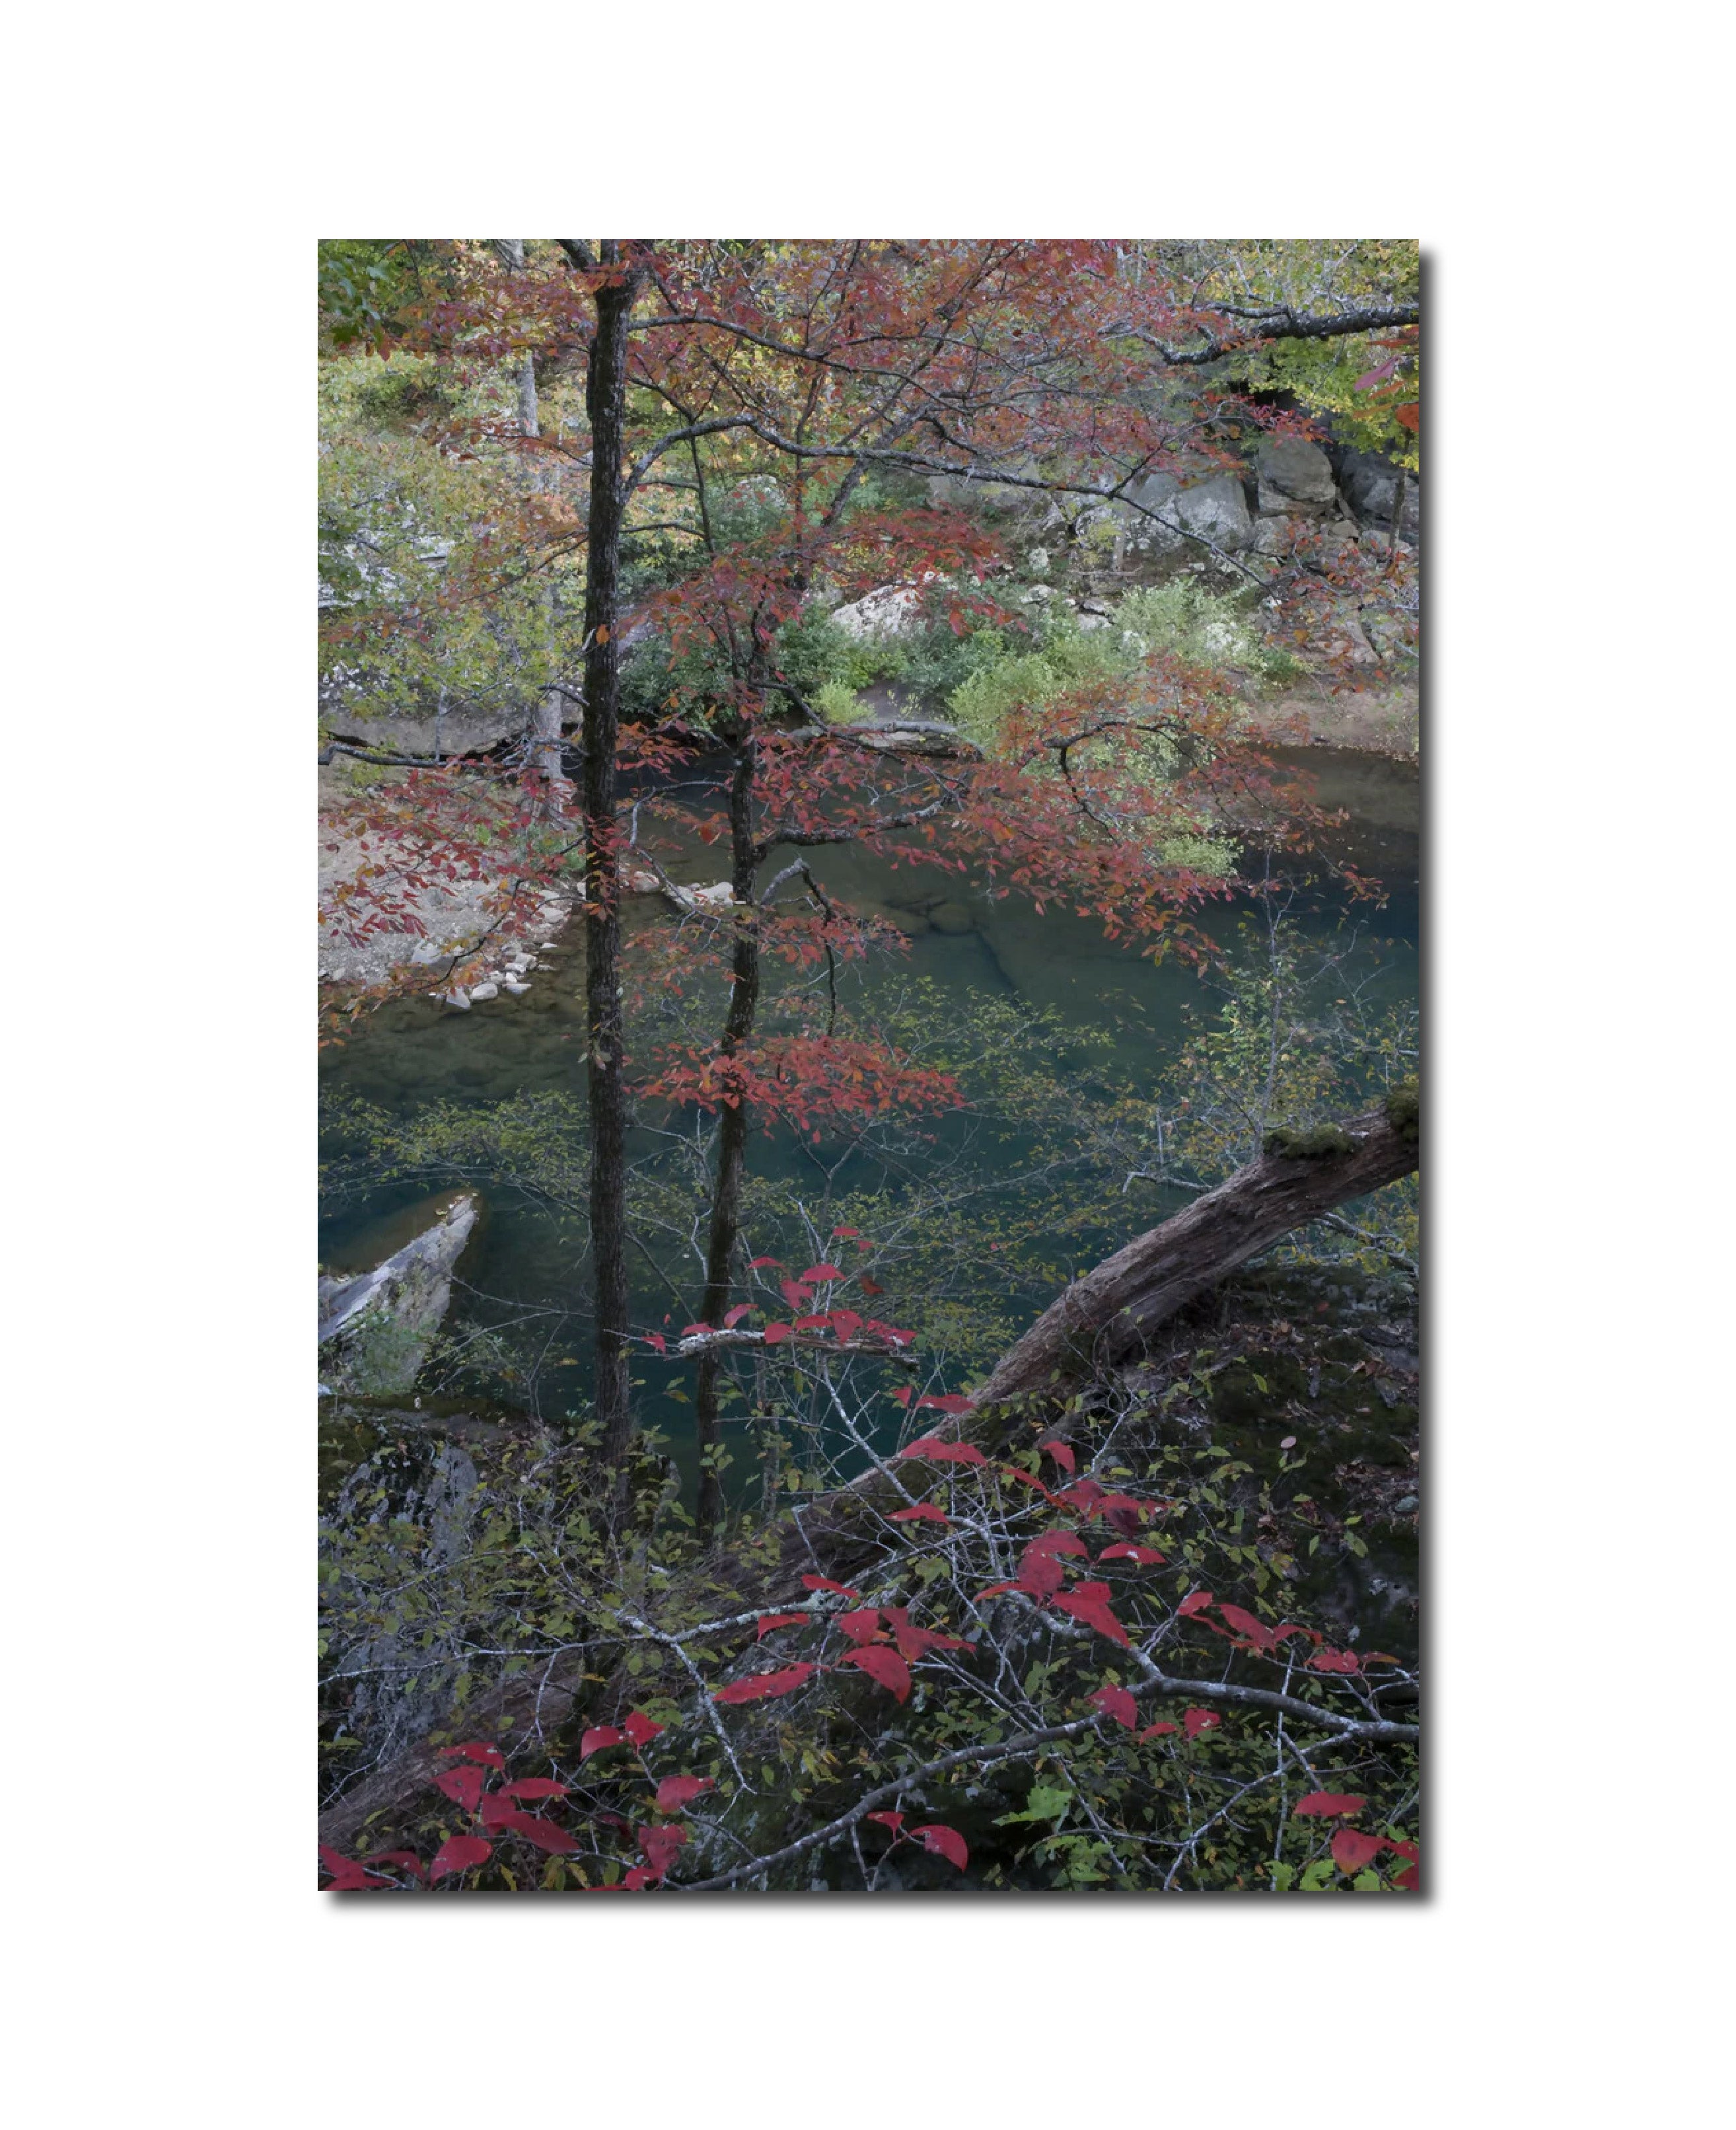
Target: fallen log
{"points": [[1100, 1321], [385, 1319]]}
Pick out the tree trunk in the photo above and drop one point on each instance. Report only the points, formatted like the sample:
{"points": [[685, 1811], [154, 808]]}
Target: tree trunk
{"points": [[732, 1129], [1151, 1278], [605, 403], [1103, 1319], [554, 790]]}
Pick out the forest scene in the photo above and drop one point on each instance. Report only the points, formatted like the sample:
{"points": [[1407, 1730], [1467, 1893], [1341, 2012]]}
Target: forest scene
{"points": [[869, 1034]]}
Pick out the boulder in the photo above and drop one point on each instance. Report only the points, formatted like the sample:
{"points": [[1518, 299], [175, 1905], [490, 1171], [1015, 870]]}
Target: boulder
{"points": [[1152, 492], [484, 992], [1371, 485], [1216, 510], [892, 610], [1295, 477], [689, 900]]}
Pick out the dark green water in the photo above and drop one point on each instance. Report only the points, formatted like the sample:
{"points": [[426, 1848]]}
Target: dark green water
{"points": [[524, 1267]]}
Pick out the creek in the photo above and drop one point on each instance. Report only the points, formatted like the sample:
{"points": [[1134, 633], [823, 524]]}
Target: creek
{"points": [[523, 1269]]}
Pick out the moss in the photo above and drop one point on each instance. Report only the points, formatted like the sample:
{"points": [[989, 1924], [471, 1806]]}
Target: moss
{"points": [[1315, 1145], [1403, 1108]]}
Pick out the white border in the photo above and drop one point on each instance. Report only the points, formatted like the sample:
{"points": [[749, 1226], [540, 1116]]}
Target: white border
{"points": [[179, 167]]}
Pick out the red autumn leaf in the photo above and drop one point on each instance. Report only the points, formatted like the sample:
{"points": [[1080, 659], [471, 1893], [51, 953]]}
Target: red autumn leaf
{"points": [[474, 1749], [797, 1296], [942, 1453], [812, 1323], [996, 1589], [358, 1882], [764, 1686], [1141, 1556], [1195, 1601], [675, 1793], [1088, 1602], [496, 1809], [1407, 1878], [846, 1323], [463, 1785], [823, 1271], [692, 1330], [463, 1852], [1061, 1453], [1194, 1721], [826, 1582], [869, 1286], [347, 1875], [1082, 1494], [776, 1333], [1410, 416], [1244, 1623], [1351, 1851], [639, 1728], [594, 1741], [913, 1641], [1063, 1541], [885, 1667], [1327, 1804], [1121, 1509], [1117, 1701], [660, 1846], [535, 1786], [758, 1264], [768, 1621], [543, 1832], [1156, 1730], [922, 1512], [1334, 1660], [894, 1820], [657, 1339], [950, 1404], [944, 1842], [901, 1396], [860, 1626], [845, 1235], [731, 1317], [1373, 377], [1040, 1574]]}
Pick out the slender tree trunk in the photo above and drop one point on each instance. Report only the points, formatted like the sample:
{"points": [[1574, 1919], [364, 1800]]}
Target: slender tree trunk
{"points": [[555, 790], [732, 1131], [606, 403]]}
